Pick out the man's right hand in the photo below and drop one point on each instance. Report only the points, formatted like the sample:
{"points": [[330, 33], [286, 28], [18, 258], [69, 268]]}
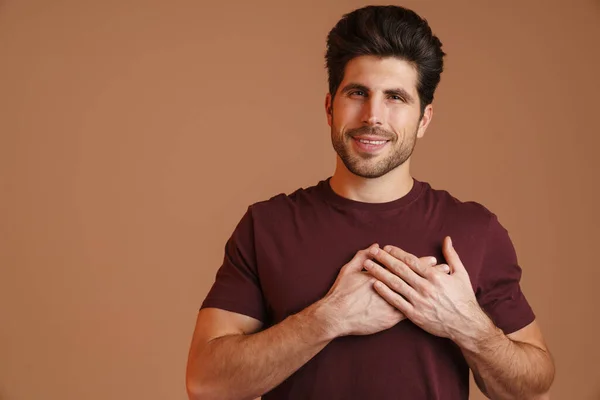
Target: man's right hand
{"points": [[231, 356], [352, 305]]}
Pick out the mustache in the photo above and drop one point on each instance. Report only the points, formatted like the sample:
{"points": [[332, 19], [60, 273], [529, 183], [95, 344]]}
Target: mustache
{"points": [[372, 131]]}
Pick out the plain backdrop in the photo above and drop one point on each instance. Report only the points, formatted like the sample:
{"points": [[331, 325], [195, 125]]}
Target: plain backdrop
{"points": [[134, 134]]}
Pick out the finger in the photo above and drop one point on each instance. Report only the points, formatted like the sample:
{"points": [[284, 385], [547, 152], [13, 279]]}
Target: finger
{"points": [[394, 299], [391, 280], [427, 261], [357, 262], [410, 260], [442, 268], [398, 267], [452, 256], [432, 262]]}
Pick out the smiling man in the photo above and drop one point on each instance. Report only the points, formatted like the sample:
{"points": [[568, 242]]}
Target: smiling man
{"points": [[370, 284]]}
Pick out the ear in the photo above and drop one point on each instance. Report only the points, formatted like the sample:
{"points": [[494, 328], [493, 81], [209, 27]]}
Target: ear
{"points": [[329, 108], [425, 120]]}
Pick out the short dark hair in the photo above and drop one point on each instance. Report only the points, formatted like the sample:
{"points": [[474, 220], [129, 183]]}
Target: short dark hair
{"points": [[386, 31]]}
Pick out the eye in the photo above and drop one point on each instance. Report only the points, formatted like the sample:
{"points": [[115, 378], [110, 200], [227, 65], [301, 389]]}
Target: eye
{"points": [[395, 97], [357, 92]]}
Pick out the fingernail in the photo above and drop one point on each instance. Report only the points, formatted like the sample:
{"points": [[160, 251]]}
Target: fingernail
{"points": [[450, 241], [446, 268], [374, 250], [432, 261], [387, 248]]}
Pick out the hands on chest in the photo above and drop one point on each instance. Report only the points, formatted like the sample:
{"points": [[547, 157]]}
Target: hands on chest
{"points": [[439, 298]]}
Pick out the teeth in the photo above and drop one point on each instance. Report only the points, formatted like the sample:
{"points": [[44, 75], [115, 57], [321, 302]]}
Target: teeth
{"points": [[372, 141]]}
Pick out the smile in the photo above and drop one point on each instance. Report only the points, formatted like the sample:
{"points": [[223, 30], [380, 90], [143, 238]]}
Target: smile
{"points": [[365, 145]]}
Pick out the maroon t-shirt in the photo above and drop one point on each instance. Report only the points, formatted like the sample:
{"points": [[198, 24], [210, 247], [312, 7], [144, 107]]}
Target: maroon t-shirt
{"points": [[286, 253]]}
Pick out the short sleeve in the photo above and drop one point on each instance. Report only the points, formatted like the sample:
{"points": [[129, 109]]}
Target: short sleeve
{"points": [[237, 285], [499, 291]]}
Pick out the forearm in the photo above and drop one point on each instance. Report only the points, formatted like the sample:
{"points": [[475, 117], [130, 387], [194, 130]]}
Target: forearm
{"points": [[246, 366], [506, 368]]}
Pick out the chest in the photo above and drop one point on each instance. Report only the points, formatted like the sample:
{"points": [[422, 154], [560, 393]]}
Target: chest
{"points": [[298, 271]]}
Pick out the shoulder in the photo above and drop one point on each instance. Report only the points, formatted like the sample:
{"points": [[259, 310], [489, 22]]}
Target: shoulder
{"points": [[455, 210], [283, 202], [284, 207]]}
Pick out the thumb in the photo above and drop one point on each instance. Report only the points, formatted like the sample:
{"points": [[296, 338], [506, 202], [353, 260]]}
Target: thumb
{"points": [[452, 256], [357, 262]]}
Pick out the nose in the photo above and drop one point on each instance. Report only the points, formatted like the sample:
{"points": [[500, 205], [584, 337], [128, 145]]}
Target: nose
{"points": [[373, 111]]}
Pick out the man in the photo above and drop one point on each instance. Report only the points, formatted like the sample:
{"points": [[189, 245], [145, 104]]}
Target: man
{"points": [[371, 284]]}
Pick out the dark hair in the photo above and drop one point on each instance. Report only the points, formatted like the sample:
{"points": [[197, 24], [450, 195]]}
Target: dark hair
{"points": [[386, 31]]}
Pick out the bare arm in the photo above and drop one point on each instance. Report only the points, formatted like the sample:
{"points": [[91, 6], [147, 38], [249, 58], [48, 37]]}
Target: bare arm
{"points": [[517, 366], [230, 358], [514, 366], [241, 364]]}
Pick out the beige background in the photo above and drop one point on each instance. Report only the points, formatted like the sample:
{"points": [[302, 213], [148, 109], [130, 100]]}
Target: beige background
{"points": [[133, 135]]}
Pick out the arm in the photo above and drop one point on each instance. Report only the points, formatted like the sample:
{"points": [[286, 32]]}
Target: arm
{"points": [[231, 355], [517, 366], [230, 359], [513, 366]]}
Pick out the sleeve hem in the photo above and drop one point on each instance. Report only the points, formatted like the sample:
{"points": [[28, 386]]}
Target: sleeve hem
{"points": [[513, 326], [233, 307]]}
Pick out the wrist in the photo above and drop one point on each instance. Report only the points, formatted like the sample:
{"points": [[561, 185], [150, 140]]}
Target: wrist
{"points": [[320, 315], [479, 331]]}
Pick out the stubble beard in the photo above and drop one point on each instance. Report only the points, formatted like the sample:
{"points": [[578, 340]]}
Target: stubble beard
{"points": [[371, 165]]}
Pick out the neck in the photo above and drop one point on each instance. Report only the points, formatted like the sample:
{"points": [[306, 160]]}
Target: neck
{"points": [[389, 187]]}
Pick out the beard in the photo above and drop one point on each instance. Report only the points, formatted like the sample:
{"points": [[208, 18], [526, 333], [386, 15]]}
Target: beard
{"points": [[373, 165]]}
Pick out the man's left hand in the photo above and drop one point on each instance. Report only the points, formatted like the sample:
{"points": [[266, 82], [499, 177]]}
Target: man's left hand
{"points": [[441, 304]]}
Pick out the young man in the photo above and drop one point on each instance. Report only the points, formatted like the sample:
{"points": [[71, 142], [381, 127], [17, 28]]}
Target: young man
{"points": [[370, 284]]}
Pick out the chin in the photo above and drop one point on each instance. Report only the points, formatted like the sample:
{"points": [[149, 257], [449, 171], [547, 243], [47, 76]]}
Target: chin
{"points": [[367, 171]]}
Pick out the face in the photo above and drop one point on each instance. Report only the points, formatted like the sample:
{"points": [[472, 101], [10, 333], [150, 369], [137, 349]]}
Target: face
{"points": [[375, 115]]}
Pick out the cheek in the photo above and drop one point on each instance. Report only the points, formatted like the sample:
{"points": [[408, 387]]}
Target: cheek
{"points": [[345, 117], [404, 121], [347, 109]]}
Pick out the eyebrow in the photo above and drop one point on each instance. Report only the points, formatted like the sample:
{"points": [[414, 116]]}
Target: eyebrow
{"points": [[390, 92]]}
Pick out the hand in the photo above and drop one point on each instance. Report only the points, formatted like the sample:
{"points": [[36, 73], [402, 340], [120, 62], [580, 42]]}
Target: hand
{"points": [[441, 304], [354, 307]]}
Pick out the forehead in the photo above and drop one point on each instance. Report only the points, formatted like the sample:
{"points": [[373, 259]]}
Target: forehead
{"points": [[381, 73]]}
